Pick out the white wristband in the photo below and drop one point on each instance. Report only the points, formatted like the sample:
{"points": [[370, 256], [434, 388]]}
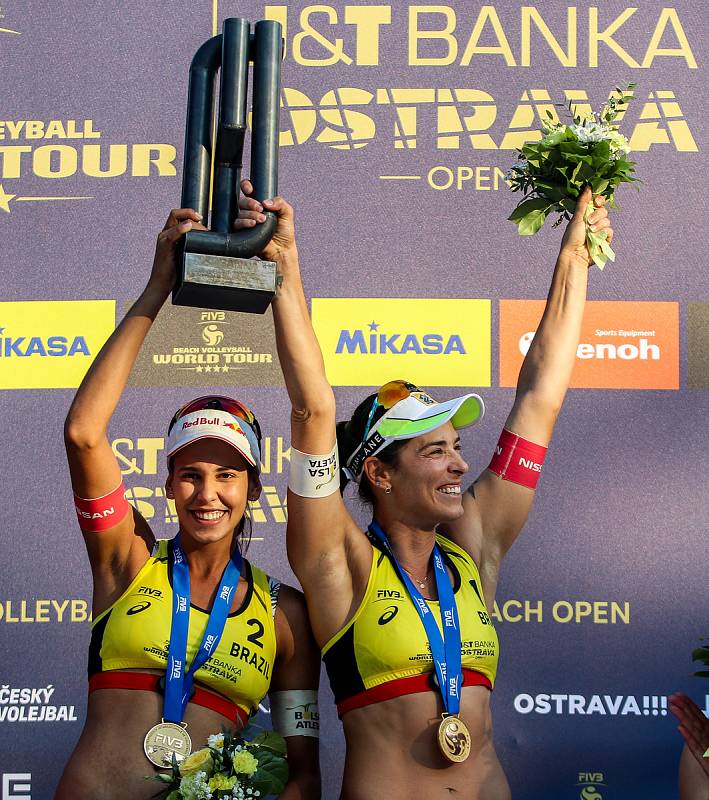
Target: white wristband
{"points": [[314, 476], [294, 712]]}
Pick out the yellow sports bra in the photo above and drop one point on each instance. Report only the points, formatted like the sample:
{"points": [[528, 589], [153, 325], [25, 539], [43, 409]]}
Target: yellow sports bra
{"points": [[134, 633], [382, 649]]}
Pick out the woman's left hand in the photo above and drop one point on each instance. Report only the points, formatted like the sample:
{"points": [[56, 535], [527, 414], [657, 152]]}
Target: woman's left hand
{"points": [[694, 727], [573, 245]]}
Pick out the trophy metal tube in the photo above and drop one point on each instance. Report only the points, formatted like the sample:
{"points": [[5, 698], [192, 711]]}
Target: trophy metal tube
{"points": [[217, 269]]}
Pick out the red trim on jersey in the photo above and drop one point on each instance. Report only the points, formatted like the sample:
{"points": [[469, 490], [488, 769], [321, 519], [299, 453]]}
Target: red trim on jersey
{"points": [[123, 679], [401, 686], [102, 513], [518, 460]]}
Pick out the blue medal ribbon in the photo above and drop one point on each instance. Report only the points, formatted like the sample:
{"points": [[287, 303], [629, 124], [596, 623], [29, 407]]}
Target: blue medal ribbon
{"points": [[178, 682], [445, 649]]}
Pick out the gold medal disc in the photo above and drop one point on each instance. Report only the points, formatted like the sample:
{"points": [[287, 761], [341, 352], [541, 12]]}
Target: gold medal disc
{"points": [[454, 739], [164, 740]]}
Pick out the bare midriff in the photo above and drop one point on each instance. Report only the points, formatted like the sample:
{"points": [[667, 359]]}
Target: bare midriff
{"points": [[108, 762], [392, 751]]}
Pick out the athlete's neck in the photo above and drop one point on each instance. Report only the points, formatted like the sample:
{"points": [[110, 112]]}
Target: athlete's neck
{"points": [[412, 546], [206, 560]]}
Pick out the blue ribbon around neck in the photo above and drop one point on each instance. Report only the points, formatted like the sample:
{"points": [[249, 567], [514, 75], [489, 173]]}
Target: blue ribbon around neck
{"points": [[445, 649], [178, 682]]}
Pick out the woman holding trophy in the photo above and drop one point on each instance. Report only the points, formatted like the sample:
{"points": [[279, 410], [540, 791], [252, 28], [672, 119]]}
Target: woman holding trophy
{"points": [[402, 612], [187, 635]]}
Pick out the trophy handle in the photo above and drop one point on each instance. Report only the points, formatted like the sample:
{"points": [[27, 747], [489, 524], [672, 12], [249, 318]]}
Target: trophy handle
{"points": [[232, 51]]}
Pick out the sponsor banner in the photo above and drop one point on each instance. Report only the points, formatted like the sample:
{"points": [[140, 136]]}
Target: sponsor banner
{"points": [[592, 704], [698, 345], [623, 345], [27, 704], [62, 158], [49, 344], [369, 341], [590, 785], [198, 347], [16, 786], [591, 612], [38, 610]]}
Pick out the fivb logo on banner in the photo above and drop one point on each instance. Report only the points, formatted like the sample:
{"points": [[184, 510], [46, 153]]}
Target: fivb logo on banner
{"points": [[204, 348], [624, 345], [369, 341], [49, 344]]}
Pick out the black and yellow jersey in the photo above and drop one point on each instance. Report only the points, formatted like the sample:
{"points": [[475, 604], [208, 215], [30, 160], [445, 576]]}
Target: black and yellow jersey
{"points": [[385, 643], [134, 633]]}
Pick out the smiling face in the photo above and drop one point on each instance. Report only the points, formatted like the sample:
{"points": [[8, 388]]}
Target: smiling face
{"points": [[211, 484], [426, 480]]}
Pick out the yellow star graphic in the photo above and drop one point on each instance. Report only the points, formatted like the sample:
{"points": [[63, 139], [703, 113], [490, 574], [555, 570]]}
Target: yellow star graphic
{"points": [[5, 199]]}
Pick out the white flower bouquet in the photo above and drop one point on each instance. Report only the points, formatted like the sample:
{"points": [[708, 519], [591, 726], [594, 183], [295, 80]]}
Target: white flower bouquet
{"points": [[552, 172], [229, 767]]}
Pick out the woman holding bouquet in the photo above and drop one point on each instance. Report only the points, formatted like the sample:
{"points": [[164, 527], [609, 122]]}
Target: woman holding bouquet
{"points": [[187, 635], [402, 611]]}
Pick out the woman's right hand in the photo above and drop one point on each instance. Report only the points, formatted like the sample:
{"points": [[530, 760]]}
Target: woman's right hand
{"points": [[251, 213], [164, 271]]}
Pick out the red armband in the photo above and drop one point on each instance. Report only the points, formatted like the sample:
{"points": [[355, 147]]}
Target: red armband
{"points": [[102, 513], [518, 460]]}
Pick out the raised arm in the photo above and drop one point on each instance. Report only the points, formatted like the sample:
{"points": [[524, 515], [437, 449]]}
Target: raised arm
{"points": [[496, 509], [323, 540], [115, 550]]}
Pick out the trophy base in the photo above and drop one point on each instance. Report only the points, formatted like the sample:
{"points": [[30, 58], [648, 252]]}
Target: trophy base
{"points": [[225, 283]]}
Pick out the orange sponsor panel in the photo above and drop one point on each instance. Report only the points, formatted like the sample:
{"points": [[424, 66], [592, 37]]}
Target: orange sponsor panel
{"points": [[623, 344]]}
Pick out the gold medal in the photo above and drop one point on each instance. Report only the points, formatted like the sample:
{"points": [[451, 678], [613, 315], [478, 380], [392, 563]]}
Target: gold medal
{"points": [[454, 739], [163, 741]]}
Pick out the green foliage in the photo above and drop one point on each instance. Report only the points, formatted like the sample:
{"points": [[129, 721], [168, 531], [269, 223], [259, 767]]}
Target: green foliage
{"points": [[701, 654], [552, 173], [266, 751]]}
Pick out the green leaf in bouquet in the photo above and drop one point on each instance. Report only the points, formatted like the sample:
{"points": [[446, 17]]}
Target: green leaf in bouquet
{"points": [[525, 207], [174, 795], [598, 248], [572, 148], [272, 741], [532, 222], [602, 150], [272, 773], [554, 138], [599, 185]]}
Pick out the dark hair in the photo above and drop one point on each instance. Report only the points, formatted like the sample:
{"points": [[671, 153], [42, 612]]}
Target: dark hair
{"points": [[350, 434]]}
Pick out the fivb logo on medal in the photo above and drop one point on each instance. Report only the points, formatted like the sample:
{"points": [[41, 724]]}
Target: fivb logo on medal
{"points": [[175, 669], [181, 603], [226, 593], [209, 642]]}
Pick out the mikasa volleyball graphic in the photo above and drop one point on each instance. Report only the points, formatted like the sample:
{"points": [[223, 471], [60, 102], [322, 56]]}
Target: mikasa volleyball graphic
{"points": [[437, 342]]}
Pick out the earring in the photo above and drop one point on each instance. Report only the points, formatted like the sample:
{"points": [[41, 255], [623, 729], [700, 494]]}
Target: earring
{"points": [[387, 490]]}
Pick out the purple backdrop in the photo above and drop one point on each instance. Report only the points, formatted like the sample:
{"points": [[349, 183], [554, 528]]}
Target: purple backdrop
{"points": [[397, 123]]}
